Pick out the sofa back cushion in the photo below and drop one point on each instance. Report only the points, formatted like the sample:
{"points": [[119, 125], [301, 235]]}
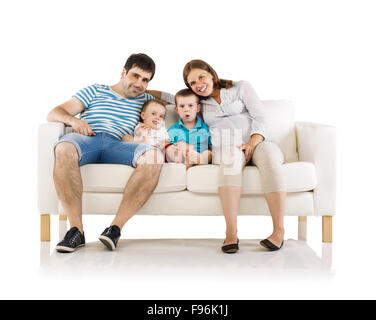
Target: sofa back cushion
{"points": [[171, 116], [279, 117], [280, 124]]}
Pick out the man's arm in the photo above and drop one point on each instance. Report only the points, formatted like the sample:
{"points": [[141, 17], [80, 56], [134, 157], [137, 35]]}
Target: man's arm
{"points": [[164, 96], [155, 93], [66, 113]]}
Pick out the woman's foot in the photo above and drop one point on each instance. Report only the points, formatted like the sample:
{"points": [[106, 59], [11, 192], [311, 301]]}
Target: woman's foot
{"points": [[276, 238], [231, 243], [231, 248], [230, 239]]}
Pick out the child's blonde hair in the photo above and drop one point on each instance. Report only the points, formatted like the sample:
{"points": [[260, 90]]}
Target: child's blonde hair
{"points": [[147, 103]]}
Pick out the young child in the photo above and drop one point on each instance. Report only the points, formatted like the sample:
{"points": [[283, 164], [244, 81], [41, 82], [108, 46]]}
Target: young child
{"points": [[151, 130], [190, 136]]}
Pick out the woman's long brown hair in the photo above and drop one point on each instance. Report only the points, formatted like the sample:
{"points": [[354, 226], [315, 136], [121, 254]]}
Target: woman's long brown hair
{"points": [[200, 64]]}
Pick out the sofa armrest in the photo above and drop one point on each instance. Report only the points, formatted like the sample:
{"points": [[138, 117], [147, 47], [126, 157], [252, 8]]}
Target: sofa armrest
{"points": [[317, 144], [48, 134]]}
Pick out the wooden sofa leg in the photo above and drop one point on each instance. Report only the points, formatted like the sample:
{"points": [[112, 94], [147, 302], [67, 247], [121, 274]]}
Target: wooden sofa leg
{"points": [[62, 226], [44, 227], [327, 233], [302, 228]]}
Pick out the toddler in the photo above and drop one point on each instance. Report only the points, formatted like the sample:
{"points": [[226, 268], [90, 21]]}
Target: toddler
{"points": [[190, 141], [151, 130]]}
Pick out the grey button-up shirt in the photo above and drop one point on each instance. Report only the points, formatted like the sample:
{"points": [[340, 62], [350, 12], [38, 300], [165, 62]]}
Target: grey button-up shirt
{"points": [[239, 116]]}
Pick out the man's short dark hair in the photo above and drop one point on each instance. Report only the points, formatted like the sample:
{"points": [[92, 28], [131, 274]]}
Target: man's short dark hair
{"points": [[186, 93], [142, 61]]}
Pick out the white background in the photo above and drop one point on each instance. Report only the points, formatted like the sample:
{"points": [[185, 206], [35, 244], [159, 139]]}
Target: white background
{"points": [[318, 54]]}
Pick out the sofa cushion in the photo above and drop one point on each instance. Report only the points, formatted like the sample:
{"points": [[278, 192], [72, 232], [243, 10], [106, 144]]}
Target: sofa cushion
{"points": [[113, 177], [300, 176], [193, 204]]}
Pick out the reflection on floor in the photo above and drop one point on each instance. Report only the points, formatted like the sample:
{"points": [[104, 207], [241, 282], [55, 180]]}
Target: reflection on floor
{"points": [[134, 256]]}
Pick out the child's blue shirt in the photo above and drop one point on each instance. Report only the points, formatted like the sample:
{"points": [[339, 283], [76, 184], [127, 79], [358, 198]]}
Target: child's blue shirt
{"points": [[198, 136]]}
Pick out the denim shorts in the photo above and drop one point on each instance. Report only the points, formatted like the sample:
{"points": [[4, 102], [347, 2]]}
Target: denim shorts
{"points": [[105, 148]]}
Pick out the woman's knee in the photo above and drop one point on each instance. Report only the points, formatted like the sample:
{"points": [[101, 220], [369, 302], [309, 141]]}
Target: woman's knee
{"points": [[232, 161], [267, 154], [228, 156]]}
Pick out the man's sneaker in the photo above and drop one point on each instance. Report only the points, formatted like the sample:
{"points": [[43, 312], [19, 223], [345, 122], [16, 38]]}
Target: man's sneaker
{"points": [[110, 237], [72, 240]]}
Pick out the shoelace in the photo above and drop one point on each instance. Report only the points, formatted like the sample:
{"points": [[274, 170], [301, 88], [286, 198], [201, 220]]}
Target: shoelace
{"points": [[72, 236], [69, 234], [75, 238]]}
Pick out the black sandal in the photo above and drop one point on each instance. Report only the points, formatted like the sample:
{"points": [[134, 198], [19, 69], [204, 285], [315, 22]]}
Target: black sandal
{"points": [[231, 248], [269, 245]]}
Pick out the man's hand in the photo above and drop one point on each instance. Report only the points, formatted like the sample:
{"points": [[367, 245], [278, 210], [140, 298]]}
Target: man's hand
{"points": [[82, 127], [127, 138]]}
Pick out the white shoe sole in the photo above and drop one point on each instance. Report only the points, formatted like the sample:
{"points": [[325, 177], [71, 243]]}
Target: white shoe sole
{"points": [[67, 249], [107, 242]]}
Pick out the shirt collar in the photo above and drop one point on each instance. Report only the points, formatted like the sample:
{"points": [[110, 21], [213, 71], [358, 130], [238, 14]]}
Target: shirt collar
{"points": [[197, 126]]}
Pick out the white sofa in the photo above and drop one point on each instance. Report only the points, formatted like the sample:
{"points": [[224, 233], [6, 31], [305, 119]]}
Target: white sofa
{"points": [[310, 169]]}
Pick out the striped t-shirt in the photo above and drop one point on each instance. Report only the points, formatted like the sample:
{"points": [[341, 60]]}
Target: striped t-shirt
{"points": [[107, 111]]}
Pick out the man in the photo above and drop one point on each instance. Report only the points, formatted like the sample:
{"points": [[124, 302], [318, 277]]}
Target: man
{"points": [[107, 113]]}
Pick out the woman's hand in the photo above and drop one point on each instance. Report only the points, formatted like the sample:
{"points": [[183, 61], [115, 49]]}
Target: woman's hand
{"points": [[248, 151], [249, 148]]}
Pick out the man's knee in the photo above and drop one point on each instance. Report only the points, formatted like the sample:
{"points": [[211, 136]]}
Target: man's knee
{"points": [[149, 165], [66, 151], [154, 157]]}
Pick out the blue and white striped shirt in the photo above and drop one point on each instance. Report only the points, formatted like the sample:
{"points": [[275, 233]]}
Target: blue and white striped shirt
{"points": [[107, 111]]}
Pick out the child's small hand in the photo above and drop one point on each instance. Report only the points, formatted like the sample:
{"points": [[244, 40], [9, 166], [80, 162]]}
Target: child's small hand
{"points": [[192, 156], [178, 155], [161, 145], [175, 154], [141, 131], [144, 127], [184, 147], [146, 140]]}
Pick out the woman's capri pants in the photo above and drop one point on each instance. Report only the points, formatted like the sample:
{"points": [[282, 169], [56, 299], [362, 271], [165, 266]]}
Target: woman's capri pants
{"points": [[267, 157]]}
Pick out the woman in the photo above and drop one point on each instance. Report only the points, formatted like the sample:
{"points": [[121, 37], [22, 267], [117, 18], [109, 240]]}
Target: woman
{"points": [[235, 116]]}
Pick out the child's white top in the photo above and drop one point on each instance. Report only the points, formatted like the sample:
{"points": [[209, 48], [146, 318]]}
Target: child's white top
{"points": [[155, 136]]}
